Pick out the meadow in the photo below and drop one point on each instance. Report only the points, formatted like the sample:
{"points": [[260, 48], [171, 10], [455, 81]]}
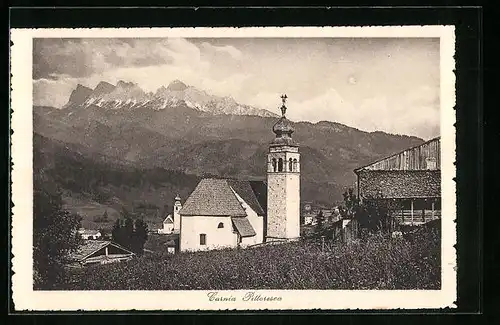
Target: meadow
{"points": [[376, 262]]}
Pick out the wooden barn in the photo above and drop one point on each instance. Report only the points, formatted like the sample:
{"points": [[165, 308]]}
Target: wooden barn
{"points": [[99, 252], [409, 181]]}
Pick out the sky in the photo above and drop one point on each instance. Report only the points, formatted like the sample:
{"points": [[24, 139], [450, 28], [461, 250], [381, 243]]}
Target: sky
{"points": [[373, 84]]}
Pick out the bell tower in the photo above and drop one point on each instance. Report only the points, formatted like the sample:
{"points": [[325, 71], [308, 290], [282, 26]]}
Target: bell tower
{"points": [[177, 215], [283, 182]]}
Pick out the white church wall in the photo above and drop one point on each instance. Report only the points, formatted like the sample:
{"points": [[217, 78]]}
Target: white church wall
{"points": [[193, 226], [255, 220]]}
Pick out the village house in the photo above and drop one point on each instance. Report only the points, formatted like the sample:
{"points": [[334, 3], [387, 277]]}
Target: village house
{"points": [[168, 226], [89, 234], [409, 181], [307, 214], [99, 252], [233, 213]]}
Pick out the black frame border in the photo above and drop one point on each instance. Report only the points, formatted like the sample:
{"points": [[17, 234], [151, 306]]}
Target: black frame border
{"points": [[469, 160]]}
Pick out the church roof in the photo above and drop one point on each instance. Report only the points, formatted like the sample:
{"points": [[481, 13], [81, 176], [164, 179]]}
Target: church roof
{"points": [[243, 227], [214, 197], [168, 219], [246, 192], [259, 189]]}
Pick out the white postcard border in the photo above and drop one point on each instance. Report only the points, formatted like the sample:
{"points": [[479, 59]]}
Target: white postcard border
{"points": [[25, 298]]}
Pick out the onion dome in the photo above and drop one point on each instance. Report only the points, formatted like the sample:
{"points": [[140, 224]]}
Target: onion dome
{"points": [[283, 128], [177, 198]]}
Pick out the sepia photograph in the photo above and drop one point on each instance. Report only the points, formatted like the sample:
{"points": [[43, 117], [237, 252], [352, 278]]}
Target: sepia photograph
{"points": [[235, 167]]}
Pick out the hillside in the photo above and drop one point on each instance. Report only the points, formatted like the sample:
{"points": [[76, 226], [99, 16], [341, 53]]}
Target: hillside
{"points": [[92, 184], [230, 145]]}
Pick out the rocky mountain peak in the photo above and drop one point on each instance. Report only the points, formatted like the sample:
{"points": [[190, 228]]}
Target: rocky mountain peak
{"points": [[79, 94], [177, 85], [124, 84], [103, 88]]}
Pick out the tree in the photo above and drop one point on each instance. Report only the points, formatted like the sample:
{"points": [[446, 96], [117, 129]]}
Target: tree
{"points": [[351, 205], [55, 233], [372, 214], [116, 233], [320, 219], [131, 234], [128, 233], [105, 217], [140, 236], [104, 233]]}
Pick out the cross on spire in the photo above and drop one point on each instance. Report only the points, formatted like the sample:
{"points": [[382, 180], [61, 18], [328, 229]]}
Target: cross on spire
{"points": [[283, 107], [283, 98]]}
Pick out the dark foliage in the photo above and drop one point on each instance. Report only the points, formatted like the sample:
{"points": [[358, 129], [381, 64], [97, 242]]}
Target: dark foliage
{"points": [[102, 219], [373, 214], [319, 228], [54, 233], [129, 233]]}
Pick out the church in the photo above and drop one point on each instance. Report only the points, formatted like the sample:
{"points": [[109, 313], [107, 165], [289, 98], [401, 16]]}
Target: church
{"points": [[229, 213]]}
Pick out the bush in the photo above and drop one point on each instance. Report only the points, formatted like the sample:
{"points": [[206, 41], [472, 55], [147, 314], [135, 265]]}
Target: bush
{"points": [[378, 262]]}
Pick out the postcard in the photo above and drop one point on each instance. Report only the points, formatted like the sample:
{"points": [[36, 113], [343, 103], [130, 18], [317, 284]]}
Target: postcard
{"points": [[276, 168]]}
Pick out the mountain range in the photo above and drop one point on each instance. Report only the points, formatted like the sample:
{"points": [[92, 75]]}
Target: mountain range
{"points": [[179, 130], [128, 95]]}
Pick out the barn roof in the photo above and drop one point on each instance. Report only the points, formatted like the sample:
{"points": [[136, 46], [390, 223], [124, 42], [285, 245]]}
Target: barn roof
{"points": [[92, 246], [243, 227], [401, 184], [395, 155]]}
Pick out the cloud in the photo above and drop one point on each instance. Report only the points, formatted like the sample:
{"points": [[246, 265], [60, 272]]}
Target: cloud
{"points": [[232, 51], [84, 57], [417, 114], [53, 93]]}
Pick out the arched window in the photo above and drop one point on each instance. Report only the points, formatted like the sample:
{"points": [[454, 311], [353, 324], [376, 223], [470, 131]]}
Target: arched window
{"points": [[221, 225], [274, 164], [290, 165], [203, 239], [280, 165], [295, 165]]}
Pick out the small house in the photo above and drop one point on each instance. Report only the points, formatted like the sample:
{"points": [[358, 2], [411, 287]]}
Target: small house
{"points": [[99, 252], [90, 234], [168, 226]]}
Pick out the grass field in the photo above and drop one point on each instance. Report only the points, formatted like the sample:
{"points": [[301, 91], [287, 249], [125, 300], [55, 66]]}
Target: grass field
{"points": [[375, 263]]}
